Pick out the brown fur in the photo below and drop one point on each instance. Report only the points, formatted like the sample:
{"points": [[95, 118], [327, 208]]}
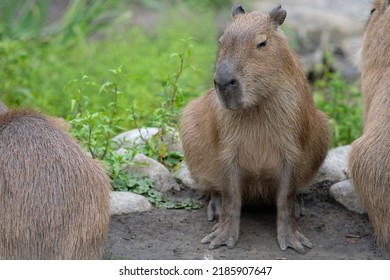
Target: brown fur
{"points": [[258, 137], [370, 155], [58, 122], [54, 199]]}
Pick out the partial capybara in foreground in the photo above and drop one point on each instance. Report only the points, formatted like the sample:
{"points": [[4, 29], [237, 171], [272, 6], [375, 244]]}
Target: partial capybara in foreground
{"points": [[369, 161], [59, 122], [54, 199], [257, 135]]}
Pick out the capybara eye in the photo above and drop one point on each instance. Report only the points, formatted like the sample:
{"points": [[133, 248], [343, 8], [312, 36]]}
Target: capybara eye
{"points": [[262, 44], [372, 11]]}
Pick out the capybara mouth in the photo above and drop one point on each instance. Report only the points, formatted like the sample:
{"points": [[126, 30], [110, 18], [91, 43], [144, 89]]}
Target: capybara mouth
{"points": [[229, 99]]}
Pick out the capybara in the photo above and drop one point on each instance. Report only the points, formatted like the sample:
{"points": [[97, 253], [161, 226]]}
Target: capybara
{"points": [[59, 122], [369, 161], [54, 198], [257, 135]]}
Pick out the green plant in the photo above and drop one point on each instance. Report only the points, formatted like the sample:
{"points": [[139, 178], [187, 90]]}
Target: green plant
{"points": [[26, 20], [94, 130], [193, 3], [143, 185], [31, 44], [45, 64], [166, 117], [16, 69], [22, 19], [342, 102]]}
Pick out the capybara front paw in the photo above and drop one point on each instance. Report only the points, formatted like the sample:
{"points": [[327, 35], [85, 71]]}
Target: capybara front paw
{"points": [[223, 235], [294, 240]]}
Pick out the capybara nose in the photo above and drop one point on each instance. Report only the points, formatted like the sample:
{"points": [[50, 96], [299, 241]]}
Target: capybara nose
{"points": [[223, 84], [225, 77]]}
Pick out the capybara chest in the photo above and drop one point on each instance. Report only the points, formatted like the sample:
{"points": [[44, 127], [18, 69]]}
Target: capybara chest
{"points": [[253, 150]]}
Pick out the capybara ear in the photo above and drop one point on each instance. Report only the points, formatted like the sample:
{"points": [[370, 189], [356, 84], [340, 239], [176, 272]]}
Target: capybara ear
{"points": [[237, 10], [278, 15]]}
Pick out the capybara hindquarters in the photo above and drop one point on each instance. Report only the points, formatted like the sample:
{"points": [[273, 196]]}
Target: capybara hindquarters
{"points": [[54, 199], [369, 161]]}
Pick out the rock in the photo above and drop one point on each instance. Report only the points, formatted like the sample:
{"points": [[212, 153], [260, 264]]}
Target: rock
{"points": [[184, 175], [3, 108], [350, 49], [162, 179], [136, 137], [128, 202], [344, 193], [208, 257], [335, 166]]}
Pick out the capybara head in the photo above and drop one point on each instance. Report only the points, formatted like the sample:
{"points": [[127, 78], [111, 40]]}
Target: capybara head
{"points": [[375, 46], [250, 58]]}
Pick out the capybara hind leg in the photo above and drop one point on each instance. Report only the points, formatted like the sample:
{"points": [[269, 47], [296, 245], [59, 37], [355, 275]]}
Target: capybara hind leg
{"points": [[214, 206], [299, 207]]}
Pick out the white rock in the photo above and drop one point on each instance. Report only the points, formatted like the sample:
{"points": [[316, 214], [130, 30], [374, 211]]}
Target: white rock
{"points": [[184, 175], [162, 179], [344, 193], [136, 137], [351, 48], [335, 166], [128, 202]]}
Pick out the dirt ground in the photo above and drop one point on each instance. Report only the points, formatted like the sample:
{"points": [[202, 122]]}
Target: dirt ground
{"points": [[335, 232]]}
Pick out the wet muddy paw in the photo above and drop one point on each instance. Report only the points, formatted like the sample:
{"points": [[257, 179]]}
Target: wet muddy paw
{"points": [[296, 241], [222, 235]]}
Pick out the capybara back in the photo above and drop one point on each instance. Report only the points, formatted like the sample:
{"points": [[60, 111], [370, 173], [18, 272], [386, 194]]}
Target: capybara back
{"points": [[54, 199], [369, 160]]}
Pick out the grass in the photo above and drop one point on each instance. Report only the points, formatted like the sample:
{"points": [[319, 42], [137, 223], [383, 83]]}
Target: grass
{"points": [[343, 104], [40, 73]]}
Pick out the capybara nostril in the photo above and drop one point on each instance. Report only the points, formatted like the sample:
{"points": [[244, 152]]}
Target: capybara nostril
{"points": [[233, 83]]}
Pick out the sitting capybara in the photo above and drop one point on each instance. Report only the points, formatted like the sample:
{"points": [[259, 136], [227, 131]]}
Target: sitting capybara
{"points": [[257, 135], [369, 161], [54, 199]]}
